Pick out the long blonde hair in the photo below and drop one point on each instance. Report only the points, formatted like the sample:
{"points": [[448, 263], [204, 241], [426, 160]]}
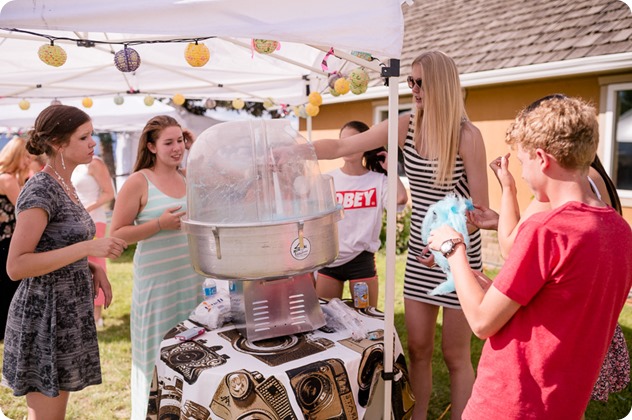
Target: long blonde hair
{"points": [[438, 126], [11, 158]]}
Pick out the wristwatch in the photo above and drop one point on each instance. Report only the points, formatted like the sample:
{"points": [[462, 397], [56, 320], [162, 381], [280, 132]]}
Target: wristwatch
{"points": [[449, 246]]}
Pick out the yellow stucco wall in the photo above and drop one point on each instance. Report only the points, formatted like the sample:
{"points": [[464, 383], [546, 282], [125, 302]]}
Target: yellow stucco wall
{"points": [[490, 108]]}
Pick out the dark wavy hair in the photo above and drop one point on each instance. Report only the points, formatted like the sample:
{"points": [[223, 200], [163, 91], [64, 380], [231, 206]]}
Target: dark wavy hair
{"points": [[53, 127], [371, 158], [151, 132]]}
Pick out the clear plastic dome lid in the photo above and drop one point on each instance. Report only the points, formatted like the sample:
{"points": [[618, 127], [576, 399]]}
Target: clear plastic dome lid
{"points": [[255, 171]]}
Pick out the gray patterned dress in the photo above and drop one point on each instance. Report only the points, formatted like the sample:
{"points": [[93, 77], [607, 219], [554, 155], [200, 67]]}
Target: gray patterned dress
{"points": [[50, 343]]}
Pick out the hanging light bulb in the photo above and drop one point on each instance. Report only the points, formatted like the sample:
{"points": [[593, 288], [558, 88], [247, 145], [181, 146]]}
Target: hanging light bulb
{"points": [[55, 102], [127, 60], [118, 99], [52, 54]]}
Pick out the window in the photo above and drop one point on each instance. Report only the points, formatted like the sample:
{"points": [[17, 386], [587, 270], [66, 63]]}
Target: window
{"points": [[618, 137]]}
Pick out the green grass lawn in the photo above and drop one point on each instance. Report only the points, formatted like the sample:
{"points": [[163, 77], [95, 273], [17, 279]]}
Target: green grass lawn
{"points": [[111, 399]]}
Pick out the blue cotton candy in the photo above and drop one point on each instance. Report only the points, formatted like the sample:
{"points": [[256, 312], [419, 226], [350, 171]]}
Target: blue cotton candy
{"points": [[451, 211]]}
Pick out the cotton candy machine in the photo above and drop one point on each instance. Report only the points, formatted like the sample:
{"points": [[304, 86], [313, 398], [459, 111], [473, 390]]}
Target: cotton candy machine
{"points": [[259, 211]]}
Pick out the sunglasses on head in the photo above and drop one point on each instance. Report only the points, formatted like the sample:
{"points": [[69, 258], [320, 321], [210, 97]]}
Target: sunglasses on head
{"points": [[537, 103], [412, 82]]}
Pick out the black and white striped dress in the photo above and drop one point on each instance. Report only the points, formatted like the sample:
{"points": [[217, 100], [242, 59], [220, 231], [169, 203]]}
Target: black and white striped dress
{"points": [[419, 279]]}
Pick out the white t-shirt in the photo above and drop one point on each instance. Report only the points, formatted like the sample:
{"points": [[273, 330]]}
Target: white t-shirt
{"points": [[363, 198]]}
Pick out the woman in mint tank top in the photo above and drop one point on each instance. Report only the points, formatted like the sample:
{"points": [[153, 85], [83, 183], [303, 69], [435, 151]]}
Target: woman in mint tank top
{"points": [[147, 212]]}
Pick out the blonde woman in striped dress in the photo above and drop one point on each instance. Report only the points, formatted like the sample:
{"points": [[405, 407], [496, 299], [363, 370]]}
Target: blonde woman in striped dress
{"points": [[443, 153], [147, 212]]}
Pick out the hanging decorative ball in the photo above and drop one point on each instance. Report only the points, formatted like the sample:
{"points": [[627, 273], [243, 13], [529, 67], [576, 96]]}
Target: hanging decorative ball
{"points": [[268, 103], [358, 77], [149, 100], [315, 99], [178, 99], [127, 60], [53, 55], [311, 109], [196, 54], [358, 89], [333, 92], [238, 104], [210, 103], [333, 78], [87, 102], [265, 46], [342, 86], [118, 99], [24, 104], [55, 102], [363, 55]]}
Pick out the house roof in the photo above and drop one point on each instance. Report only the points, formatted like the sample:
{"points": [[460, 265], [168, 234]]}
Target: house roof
{"points": [[484, 35]]}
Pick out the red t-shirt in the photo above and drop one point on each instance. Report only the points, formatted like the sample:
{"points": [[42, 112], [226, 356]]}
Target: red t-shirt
{"points": [[570, 269]]}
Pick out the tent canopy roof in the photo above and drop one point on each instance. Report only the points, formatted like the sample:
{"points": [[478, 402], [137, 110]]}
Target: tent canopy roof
{"points": [[306, 31]]}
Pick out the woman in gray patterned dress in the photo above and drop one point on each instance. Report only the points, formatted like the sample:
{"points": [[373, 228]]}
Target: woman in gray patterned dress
{"points": [[443, 153], [50, 345]]}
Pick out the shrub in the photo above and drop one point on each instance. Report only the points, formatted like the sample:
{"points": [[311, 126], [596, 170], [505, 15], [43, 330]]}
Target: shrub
{"points": [[402, 230]]}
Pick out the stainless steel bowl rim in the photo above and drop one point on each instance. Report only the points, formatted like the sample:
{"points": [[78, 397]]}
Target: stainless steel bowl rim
{"points": [[337, 211]]}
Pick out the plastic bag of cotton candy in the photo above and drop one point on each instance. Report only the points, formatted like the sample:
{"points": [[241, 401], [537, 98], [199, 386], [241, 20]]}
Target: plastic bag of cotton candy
{"points": [[213, 312], [340, 316]]}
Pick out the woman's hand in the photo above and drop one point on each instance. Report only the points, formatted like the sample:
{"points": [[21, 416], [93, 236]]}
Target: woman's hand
{"points": [[100, 281], [170, 218], [483, 218], [106, 247]]}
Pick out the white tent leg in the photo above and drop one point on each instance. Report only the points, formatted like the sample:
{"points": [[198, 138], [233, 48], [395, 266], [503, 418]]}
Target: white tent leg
{"points": [[391, 214]]}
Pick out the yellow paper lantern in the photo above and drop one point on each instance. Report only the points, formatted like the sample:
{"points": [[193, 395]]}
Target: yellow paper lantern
{"points": [[196, 54], [311, 109], [315, 99], [149, 100], [24, 104], [342, 86], [87, 102], [178, 99], [238, 104], [53, 55]]}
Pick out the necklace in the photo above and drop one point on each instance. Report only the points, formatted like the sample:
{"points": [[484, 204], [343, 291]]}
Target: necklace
{"points": [[70, 191]]}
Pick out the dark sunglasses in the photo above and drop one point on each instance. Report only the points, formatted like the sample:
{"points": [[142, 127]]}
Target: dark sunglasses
{"points": [[537, 103], [412, 82]]}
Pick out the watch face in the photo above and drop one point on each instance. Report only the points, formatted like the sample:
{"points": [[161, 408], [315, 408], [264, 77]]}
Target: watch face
{"points": [[446, 246]]}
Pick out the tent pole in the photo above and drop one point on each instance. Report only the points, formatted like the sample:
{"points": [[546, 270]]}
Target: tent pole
{"points": [[392, 72]]}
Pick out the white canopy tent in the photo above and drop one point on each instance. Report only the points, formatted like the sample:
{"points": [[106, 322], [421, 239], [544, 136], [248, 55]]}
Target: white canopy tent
{"points": [[306, 31]]}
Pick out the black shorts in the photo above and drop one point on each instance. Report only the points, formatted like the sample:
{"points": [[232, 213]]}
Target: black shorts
{"points": [[361, 267]]}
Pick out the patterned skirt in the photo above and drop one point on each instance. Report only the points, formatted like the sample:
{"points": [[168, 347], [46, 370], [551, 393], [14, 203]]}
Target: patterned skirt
{"points": [[615, 370]]}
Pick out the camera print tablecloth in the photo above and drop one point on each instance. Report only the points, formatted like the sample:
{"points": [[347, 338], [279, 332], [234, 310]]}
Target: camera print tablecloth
{"points": [[323, 374]]}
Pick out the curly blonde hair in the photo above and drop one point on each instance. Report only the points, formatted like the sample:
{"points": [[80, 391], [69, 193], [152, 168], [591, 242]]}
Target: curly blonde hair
{"points": [[563, 127]]}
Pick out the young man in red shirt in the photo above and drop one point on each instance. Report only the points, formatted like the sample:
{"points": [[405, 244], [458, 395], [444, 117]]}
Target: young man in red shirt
{"points": [[550, 313]]}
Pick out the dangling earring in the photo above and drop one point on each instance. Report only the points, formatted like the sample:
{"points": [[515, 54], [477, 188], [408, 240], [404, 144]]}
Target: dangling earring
{"points": [[63, 164]]}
